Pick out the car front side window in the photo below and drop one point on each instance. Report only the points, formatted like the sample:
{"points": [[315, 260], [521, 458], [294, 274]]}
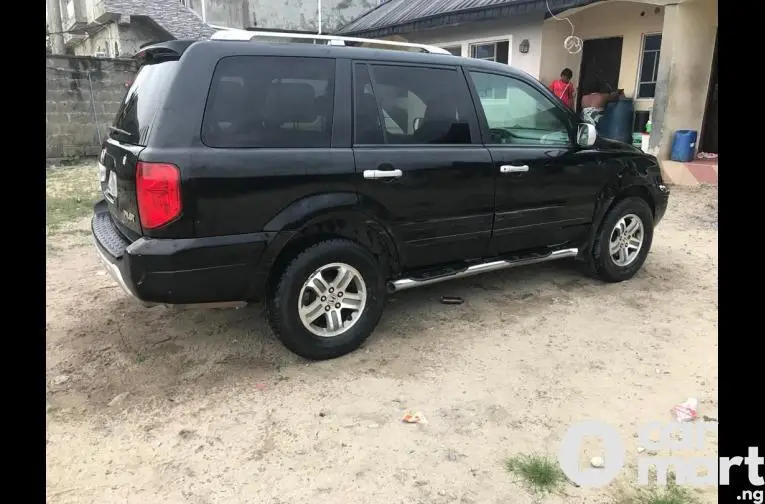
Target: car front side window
{"points": [[518, 114]]}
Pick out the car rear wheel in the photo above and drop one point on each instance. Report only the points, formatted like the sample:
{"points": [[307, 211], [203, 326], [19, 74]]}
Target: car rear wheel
{"points": [[624, 240], [328, 300]]}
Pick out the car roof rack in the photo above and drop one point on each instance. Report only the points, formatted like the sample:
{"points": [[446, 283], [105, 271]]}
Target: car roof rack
{"points": [[245, 35]]}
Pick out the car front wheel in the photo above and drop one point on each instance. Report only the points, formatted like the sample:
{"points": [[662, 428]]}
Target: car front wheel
{"points": [[624, 240], [328, 300]]}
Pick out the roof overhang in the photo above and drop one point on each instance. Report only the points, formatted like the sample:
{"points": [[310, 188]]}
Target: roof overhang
{"points": [[454, 18]]}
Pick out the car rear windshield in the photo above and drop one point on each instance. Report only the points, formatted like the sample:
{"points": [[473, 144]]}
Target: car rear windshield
{"points": [[142, 101]]}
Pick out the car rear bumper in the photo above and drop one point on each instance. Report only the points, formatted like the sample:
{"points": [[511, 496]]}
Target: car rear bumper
{"points": [[179, 271], [111, 265]]}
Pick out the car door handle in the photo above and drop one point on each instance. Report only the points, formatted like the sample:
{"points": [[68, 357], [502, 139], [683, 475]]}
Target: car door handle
{"points": [[381, 174], [513, 169]]}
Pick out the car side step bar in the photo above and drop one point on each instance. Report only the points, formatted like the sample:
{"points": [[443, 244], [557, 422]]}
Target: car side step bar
{"points": [[410, 283]]}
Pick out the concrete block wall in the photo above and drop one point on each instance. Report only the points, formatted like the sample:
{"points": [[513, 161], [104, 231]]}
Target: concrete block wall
{"points": [[76, 119]]}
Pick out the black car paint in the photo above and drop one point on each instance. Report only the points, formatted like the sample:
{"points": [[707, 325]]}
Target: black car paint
{"points": [[551, 202], [242, 207], [422, 225], [443, 202], [121, 159]]}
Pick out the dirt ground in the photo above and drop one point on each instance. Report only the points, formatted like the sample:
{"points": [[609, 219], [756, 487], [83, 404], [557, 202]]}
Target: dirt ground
{"points": [[204, 406]]}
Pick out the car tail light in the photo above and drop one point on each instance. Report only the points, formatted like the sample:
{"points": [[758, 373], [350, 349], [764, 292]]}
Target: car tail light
{"points": [[158, 189]]}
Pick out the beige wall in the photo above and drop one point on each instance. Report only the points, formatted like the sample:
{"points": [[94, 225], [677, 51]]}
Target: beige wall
{"points": [[602, 20], [684, 71], [515, 30], [101, 41]]}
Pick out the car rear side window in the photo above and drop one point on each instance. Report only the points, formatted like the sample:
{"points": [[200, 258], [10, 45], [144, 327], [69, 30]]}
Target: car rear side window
{"points": [[270, 101], [402, 105], [142, 101]]}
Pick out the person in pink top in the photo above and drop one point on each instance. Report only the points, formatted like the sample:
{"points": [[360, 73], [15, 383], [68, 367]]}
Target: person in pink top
{"points": [[563, 88]]}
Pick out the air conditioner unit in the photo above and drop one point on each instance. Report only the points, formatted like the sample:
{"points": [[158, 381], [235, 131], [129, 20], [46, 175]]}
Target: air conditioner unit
{"points": [[100, 54]]}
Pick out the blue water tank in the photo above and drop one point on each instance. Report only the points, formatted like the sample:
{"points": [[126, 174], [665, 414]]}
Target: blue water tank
{"points": [[683, 145], [618, 119]]}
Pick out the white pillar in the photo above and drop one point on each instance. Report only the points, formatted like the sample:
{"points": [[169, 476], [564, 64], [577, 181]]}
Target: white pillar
{"points": [[687, 47]]}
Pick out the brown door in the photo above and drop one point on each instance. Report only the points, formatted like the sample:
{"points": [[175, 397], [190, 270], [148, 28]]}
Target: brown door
{"points": [[601, 62], [709, 131]]}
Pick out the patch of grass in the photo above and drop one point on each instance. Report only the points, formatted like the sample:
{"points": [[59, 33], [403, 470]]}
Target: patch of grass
{"points": [[77, 232], [539, 473], [63, 210], [69, 193], [671, 493]]}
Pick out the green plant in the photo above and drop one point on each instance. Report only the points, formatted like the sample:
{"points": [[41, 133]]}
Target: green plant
{"points": [[539, 473]]}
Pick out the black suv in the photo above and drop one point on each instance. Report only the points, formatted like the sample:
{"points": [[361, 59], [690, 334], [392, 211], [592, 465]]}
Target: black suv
{"points": [[321, 179]]}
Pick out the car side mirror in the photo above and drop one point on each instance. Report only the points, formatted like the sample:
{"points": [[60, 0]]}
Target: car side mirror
{"points": [[416, 123], [586, 135]]}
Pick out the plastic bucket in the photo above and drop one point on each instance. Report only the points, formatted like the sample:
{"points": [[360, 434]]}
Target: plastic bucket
{"points": [[644, 142], [683, 145]]}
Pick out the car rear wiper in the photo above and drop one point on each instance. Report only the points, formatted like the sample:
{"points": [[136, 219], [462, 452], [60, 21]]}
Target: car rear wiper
{"points": [[119, 130]]}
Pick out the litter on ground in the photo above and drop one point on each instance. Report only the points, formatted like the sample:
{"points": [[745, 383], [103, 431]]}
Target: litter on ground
{"points": [[414, 418], [686, 411]]}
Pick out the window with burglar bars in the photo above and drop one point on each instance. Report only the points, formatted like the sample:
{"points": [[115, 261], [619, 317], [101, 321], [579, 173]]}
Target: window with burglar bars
{"points": [[649, 66]]}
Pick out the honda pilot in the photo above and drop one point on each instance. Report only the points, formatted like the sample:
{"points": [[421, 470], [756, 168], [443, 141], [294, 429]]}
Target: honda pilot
{"points": [[322, 178]]}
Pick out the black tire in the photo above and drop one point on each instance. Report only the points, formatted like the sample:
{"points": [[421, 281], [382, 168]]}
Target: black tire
{"points": [[283, 315], [604, 265]]}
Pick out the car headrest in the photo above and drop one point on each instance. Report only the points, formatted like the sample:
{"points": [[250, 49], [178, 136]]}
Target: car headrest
{"points": [[291, 102], [440, 110], [324, 105]]}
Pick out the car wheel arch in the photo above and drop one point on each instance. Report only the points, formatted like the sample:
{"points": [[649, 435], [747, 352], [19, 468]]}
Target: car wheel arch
{"points": [[347, 223], [606, 200], [635, 190]]}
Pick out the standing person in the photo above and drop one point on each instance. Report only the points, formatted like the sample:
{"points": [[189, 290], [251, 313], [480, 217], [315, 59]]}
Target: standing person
{"points": [[594, 104], [563, 88]]}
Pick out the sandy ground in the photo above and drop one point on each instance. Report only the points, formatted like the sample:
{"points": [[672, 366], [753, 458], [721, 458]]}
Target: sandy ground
{"points": [[205, 406]]}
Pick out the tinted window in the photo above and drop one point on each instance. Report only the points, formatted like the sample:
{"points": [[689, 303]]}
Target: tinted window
{"points": [[141, 102], [265, 101], [517, 113], [410, 105], [367, 122]]}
